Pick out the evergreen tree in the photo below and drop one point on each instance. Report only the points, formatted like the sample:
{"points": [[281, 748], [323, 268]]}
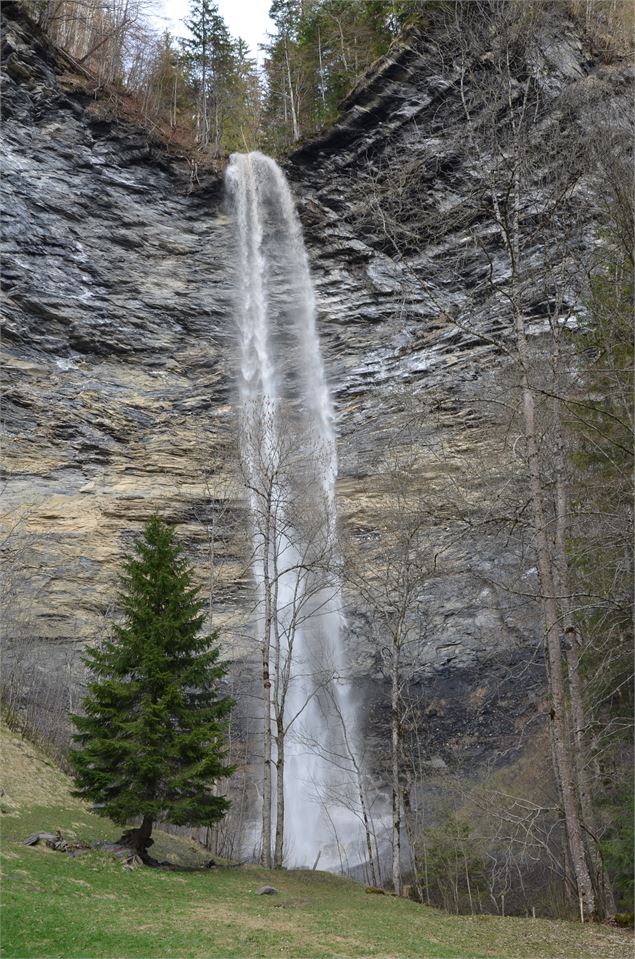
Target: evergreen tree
{"points": [[151, 736], [210, 52], [242, 127]]}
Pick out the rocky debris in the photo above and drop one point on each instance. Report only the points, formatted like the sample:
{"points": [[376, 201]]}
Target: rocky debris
{"points": [[131, 858], [124, 849], [49, 838], [116, 849], [267, 891], [57, 842]]}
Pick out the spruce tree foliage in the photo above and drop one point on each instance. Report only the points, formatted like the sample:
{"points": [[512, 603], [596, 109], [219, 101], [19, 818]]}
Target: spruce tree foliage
{"points": [[151, 736], [223, 81], [209, 53]]}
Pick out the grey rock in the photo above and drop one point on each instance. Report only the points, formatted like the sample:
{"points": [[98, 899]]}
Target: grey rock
{"points": [[267, 891], [120, 359], [36, 837]]}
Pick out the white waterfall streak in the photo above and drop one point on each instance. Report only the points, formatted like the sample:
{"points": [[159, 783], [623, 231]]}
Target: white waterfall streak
{"points": [[290, 467]]}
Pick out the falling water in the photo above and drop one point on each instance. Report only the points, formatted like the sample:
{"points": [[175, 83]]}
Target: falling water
{"points": [[288, 448]]}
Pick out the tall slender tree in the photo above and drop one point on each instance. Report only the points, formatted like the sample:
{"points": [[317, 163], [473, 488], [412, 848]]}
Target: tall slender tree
{"points": [[210, 52]]}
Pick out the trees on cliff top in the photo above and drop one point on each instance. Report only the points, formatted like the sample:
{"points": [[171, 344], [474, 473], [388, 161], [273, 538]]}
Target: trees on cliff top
{"points": [[151, 735], [207, 93]]}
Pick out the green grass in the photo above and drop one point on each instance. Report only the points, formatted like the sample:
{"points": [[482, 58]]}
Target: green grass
{"points": [[55, 906]]}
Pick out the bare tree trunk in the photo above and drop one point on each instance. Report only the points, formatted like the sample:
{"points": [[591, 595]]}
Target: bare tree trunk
{"points": [[606, 903], [564, 771], [412, 839], [278, 856], [204, 121], [395, 754], [266, 719], [292, 100], [467, 882], [564, 767], [367, 830], [366, 819], [217, 125], [139, 839]]}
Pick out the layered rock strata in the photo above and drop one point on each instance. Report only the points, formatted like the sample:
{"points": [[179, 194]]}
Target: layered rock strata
{"points": [[121, 359]]}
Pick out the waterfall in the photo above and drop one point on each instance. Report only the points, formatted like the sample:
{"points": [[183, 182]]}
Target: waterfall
{"points": [[289, 460]]}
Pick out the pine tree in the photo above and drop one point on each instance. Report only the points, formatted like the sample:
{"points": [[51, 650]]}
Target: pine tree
{"points": [[210, 53], [151, 737]]}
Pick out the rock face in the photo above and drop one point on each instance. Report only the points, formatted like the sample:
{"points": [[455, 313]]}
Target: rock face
{"points": [[417, 338], [120, 356], [118, 388]]}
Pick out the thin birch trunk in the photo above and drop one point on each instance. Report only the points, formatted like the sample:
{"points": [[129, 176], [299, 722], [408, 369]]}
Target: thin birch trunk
{"points": [[278, 856], [395, 753], [266, 719], [292, 101], [409, 823]]}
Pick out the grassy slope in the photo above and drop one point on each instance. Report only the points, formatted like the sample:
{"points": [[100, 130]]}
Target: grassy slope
{"points": [[57, 906]]}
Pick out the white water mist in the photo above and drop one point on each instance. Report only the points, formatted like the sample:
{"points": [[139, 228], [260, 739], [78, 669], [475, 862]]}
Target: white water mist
{"points": [[288, 447]]}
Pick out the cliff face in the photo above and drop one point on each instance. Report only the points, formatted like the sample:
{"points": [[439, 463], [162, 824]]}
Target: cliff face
{"points": [[116, 293], [120, 347]]}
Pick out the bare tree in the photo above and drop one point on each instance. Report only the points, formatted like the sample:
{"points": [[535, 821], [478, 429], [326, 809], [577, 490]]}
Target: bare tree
{"points": [[390, 585], [521, 152], [293, 559]]}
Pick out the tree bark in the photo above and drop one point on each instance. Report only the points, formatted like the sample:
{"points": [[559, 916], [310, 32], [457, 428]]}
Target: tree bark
{"points": [[279, 841], [395, 754], [411, 833], [606, 901], [292, 102], [564, 767], [266, 718], [139, 839]]}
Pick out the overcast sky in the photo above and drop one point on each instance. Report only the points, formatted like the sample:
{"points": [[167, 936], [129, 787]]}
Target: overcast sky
{"points": [[244, 18]]}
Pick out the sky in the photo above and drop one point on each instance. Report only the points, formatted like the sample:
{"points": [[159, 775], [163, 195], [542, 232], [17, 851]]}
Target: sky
{"points": [[244, 18]]}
